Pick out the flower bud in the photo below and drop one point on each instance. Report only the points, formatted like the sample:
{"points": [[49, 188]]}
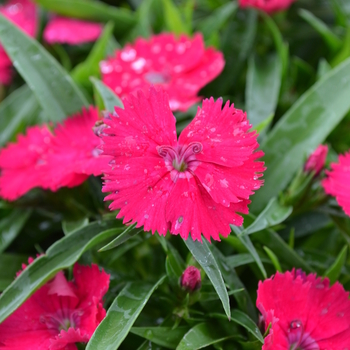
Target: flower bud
{"points": [[191, 279], [316, 160]]}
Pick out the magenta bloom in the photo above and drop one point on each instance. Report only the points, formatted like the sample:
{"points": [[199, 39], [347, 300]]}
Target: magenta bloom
{"points": [[337, 182], [316, 160], [269, 6], [194, 184], [71, 31], [66, 157], [305, 312], [22, 13], [182, 66], [191, 279], [59, 314]]}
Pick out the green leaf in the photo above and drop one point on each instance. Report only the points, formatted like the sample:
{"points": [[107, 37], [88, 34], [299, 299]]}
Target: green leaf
{"points": [[231, 278], [334, 271], [274, 259], [123, 18], [69, 227], [15, 117], [281, 47], [163, 336], [273, 214], [237, 260], [13, 263], [261, 102], [344, 52], [244, 320], [301, 130], [60, 255], [333, 42], [121, 315], [53, 87], [260, 128], [109, 98], [206, 259], [173, 18], [11, 225], [216, 20], [251, 249], [128, 233], [90, 67], [201, 336]]}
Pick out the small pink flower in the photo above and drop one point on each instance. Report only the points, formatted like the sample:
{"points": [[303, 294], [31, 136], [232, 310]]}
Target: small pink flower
{"points": [[23, 13], [59, 314], [71, 31], [269, 6], [191, 279], [305, 312], [316, 160], [196, 183], [182, 66], [66, 157], [337, 182]]}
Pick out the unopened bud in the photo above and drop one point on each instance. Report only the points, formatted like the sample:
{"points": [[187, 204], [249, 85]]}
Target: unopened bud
{"points": [[191, 279], [316, 160]]}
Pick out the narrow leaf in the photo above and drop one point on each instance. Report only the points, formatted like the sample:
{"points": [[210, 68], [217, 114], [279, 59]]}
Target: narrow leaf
{"points": [[206, 259], [69, 227], [11, 225], [274, 259], [90, 67], [60, 255], [261, 102], [13, 263], [334, 271], [109, 98], [273, 214], [302, 129], [163, 336], [53, 87], [173, 19], [121, 315], [128, 233]]}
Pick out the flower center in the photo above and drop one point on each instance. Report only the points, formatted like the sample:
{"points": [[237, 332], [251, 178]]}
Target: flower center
{"points": [[157, 78], [181, 159], [298, 340], [62, 320]]}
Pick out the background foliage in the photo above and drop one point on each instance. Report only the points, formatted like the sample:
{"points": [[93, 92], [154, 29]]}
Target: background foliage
{"points": [[290, 72]]}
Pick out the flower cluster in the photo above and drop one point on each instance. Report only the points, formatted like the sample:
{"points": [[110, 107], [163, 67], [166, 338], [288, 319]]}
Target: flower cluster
{"points": [[195, 184], [66, 157], [182, 66], [304, 312], [59, 314]]}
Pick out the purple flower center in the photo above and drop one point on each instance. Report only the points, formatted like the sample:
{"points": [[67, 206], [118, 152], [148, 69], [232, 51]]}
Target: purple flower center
{"points": [[180, 159], [62, 319], [157, 78], [298, 340]]}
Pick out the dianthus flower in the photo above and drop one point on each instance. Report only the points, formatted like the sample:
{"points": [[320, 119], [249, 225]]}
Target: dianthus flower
{"points": [[22, 13], [305, 313], [71, 31], [182, 66], [194, 184], [337, 182], [66, 157], [59, 314], [268, 6], [316, 160]]}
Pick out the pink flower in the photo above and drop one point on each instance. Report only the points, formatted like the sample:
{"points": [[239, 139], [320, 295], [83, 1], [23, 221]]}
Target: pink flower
{"points": [[71, 31], [194, 184], [59, 314], [181, 66], [269, 6], [22, 13], [316, 160], [337, 183], [305, 312], [191, 279], [66, 157]]}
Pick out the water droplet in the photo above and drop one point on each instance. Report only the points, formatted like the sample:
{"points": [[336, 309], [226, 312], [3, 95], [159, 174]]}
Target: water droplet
{"points": [[138, 64], [179, 222], [296, 324], [146, 216], [128, 54]]}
